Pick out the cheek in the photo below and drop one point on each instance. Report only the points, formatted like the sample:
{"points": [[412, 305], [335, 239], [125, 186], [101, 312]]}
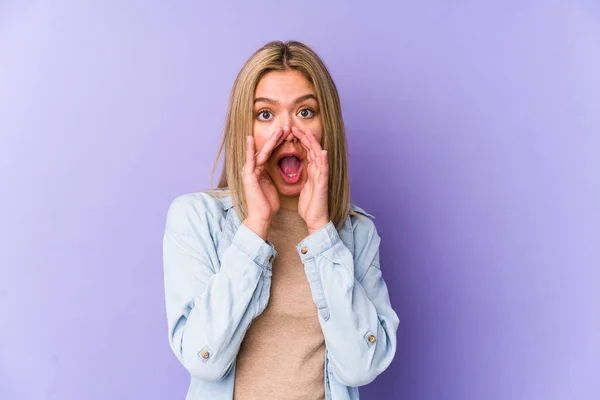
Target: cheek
{"points": [[260, 137], [319, 136], [317, 130], [314, 125]]}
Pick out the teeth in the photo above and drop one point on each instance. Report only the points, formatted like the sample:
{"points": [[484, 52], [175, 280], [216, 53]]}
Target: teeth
{"points": [[291, 175]]}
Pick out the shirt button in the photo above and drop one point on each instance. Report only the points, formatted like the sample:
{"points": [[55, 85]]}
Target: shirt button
{"points": [[371, 339], [304, 250], [205, 354]]}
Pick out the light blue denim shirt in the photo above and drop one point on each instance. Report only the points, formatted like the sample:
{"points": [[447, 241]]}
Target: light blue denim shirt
{"points": [[218, 279]]}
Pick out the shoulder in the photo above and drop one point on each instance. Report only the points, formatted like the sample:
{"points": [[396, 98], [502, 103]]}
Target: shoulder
{"points": [[362, 221], [191, 212], [366, 239], [360, 217], [356, 209]]}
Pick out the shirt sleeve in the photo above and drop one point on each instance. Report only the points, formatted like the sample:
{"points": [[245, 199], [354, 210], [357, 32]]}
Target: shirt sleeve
{"points": [[210, 305], [355, 313]]}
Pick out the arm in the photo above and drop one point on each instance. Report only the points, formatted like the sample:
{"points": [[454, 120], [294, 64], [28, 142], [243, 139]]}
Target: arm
{"points": [[208, 313], [355, 313]]}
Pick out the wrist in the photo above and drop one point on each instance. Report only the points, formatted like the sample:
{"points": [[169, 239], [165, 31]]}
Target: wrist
{"points": [[314, 227], [261, 228]]}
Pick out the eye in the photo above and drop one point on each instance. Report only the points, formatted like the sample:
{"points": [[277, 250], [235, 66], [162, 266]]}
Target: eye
{"points": [[306, 113], [264, 115]]}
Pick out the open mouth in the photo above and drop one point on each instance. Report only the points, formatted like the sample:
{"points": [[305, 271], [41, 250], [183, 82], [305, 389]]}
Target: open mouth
{"points": [[290, 167]]}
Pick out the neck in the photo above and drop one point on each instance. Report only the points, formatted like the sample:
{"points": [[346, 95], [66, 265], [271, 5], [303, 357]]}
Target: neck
{"points": [[288, 202]]}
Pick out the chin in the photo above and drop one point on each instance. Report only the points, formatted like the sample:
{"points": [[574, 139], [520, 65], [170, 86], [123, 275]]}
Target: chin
{"points": [[289, 190]]}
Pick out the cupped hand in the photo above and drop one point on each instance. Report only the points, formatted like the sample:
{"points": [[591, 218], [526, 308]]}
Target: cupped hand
{"points": [[313, 205], [262, 199]]}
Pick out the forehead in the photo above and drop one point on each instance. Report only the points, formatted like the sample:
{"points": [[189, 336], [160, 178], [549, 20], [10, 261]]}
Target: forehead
{"points": [[283, 85]]}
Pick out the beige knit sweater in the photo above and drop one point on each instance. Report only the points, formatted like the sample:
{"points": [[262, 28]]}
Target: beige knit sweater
{"points": [[282, 355]]}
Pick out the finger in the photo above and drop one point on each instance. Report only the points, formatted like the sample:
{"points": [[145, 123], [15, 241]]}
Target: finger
{"points": [[304, 142], [250, 161], [302, 137], [265, 152], [324, 169], [285, 131], [316, 146]]}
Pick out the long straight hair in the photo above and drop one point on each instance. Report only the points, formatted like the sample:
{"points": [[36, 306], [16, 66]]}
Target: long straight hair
{"points": [[282, 56]]}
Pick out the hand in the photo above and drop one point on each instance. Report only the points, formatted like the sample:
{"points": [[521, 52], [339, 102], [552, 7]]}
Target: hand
{"points": [[313, 204], [262, 198]]}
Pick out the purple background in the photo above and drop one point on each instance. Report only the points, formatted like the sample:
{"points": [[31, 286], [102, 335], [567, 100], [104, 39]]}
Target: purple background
{"points": [[474, 134]]}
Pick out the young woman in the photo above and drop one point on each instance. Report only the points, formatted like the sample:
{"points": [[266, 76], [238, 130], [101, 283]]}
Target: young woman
{"points": [[273, 284]]}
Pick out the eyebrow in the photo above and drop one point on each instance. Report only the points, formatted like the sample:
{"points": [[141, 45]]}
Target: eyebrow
{"points": [[298, 100]]}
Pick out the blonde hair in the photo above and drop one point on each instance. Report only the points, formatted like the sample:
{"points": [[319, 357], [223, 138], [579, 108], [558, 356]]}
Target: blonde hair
{"points": [[281, 56]]}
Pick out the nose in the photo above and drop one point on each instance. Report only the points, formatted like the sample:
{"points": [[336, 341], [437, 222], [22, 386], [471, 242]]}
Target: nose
{"points": [[290, 136], [286, 119]]}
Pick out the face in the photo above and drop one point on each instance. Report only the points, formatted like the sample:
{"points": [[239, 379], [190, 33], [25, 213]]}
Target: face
{"points": [[286, 98]]}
